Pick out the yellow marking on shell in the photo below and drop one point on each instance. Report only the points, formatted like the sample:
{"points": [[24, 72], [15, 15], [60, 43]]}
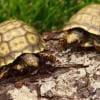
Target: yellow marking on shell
{"points": [[9, 25], [29, 29], [3, 29], [18, 44], [4, 49], [13, 33], [11, 21], [5, 23], [32, 39]]}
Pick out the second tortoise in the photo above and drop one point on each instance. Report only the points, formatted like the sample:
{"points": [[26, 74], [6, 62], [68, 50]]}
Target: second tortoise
{"points": [[84, 27], [19, 41]]}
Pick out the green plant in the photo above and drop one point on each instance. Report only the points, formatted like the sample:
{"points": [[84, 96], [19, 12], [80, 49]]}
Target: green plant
{"points": [[45, 15]]}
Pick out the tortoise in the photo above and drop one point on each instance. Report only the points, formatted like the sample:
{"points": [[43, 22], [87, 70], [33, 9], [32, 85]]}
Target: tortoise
{"points": [[19, 41], [83, 28]]}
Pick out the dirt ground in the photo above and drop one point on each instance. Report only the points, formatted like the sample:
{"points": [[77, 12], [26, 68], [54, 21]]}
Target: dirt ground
{"points": [[73, 75]]}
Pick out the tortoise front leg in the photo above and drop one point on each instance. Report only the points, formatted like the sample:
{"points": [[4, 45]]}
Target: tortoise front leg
{"points": [[27, 60]]}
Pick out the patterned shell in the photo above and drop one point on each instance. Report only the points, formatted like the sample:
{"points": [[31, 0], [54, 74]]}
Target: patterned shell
{"points": [[17, 38], [88, 18]]}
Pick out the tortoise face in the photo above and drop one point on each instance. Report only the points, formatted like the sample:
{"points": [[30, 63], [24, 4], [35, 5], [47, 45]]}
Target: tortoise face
{"points": [[73, 36], [83, 38]]}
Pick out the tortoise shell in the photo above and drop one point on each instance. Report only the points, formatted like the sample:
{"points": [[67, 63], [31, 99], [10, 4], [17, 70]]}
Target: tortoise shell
{"points": [[88, 18], [17, 38]]}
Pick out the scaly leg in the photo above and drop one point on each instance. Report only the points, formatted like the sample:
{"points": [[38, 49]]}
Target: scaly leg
{"points": [[27, 60]]}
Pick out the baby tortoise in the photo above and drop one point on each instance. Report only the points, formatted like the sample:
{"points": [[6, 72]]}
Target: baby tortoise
{"points": [[84, 27], [19, 41]]}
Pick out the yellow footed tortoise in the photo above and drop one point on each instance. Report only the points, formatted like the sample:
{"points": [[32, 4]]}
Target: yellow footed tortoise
{"points": [[18, 40], [84, 27]]}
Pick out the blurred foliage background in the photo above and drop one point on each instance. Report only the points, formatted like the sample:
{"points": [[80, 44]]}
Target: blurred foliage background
{"points": [[45, 15]]}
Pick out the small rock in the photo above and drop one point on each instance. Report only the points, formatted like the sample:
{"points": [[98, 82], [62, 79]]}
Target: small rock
{"points": [[23, 93]]}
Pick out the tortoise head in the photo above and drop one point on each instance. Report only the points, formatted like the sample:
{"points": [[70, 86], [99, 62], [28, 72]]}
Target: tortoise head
{"points": [[83, 38], [73, 36]]}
